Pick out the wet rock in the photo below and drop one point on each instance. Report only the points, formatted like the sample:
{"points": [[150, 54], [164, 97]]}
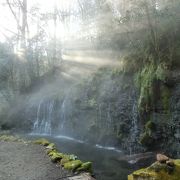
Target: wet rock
{"points": [[170, 163], [140, 159], [162, 158], [83, 176]]}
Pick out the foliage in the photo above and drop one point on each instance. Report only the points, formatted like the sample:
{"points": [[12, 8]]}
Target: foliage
{"points": [[145, 82], [148, 81], [146, 138]]}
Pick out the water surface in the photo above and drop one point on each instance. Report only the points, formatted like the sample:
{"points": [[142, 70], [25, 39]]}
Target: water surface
{"points": [[105, 159]]}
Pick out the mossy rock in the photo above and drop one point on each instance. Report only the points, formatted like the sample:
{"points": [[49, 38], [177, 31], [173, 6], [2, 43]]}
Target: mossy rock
{"points": [[86, 167], [150, 125], [72, 165], [157, 171], [66, 158], [50, 152], [72, 157], [11, 138], [146, 139], [8, 138], [158, 167], [55, 156], [42, 141], [51, 146]]}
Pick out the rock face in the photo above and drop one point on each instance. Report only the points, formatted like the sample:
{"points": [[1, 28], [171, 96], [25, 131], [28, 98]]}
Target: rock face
{"points": [[104, 110], [101, 110], [163, 169]]}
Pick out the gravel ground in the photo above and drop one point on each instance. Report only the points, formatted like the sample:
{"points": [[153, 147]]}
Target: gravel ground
{"points": [[20, 161]]}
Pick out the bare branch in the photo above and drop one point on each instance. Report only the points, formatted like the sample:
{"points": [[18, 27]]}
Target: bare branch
{"points": [[14, 14]]}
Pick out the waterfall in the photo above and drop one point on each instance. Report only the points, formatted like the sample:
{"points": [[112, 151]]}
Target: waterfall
{"points": [[62, 115], [42, 124], [134, 128], [100, 115], [109, 119], [134, 120]]}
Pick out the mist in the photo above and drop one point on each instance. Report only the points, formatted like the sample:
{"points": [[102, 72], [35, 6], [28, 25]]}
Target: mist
{"points": [[101, 75]]}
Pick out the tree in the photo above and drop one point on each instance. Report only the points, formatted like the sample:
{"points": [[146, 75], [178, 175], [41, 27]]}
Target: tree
{"points": [[21, 8]]}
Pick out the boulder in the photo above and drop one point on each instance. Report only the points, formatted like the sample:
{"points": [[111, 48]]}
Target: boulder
{"points": [[158, 171], [87, 167], [72, 165], [170, 163], [161, 158]]}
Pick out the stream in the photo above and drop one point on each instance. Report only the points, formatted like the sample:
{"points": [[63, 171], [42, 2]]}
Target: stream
{"points": [[105, 163]]}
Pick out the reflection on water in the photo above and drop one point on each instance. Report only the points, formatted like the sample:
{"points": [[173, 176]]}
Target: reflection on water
{"points": [[105, 163], [108, 148]]}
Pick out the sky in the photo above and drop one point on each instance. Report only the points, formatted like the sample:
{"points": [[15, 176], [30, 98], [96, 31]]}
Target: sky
{"points": [[8, 24]]}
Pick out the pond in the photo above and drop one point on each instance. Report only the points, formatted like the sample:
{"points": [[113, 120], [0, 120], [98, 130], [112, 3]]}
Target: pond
{"points": [[105, 159]]}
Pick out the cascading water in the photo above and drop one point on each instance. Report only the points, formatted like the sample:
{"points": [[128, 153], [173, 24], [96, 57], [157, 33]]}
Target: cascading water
{"points": [[109, 119], [43, 122], [134, 127], [62, 115]]}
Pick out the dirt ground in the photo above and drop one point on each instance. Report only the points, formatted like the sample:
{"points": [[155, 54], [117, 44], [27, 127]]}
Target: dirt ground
{"points": [[20, 161]]}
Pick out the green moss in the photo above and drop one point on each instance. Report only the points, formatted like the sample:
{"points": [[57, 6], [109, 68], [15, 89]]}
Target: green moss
{"points": [[157, 171], [42, 141], [69, 162], [64, 160], [72, 165], [11, 138], [146, 138], [51, 146], [57, 157], [158, 167], [130, 64], [8, 138], [72, 157], [137, 80], [161, 72], [165, 98], [150, 125], [145, 81], [87, 167]]}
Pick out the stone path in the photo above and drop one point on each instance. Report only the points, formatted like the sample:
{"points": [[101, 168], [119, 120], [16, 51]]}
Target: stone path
{"points": [[22, 161]]}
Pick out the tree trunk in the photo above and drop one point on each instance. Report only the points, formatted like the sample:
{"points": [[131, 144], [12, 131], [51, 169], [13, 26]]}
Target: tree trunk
{"points": [[24, 24]]}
